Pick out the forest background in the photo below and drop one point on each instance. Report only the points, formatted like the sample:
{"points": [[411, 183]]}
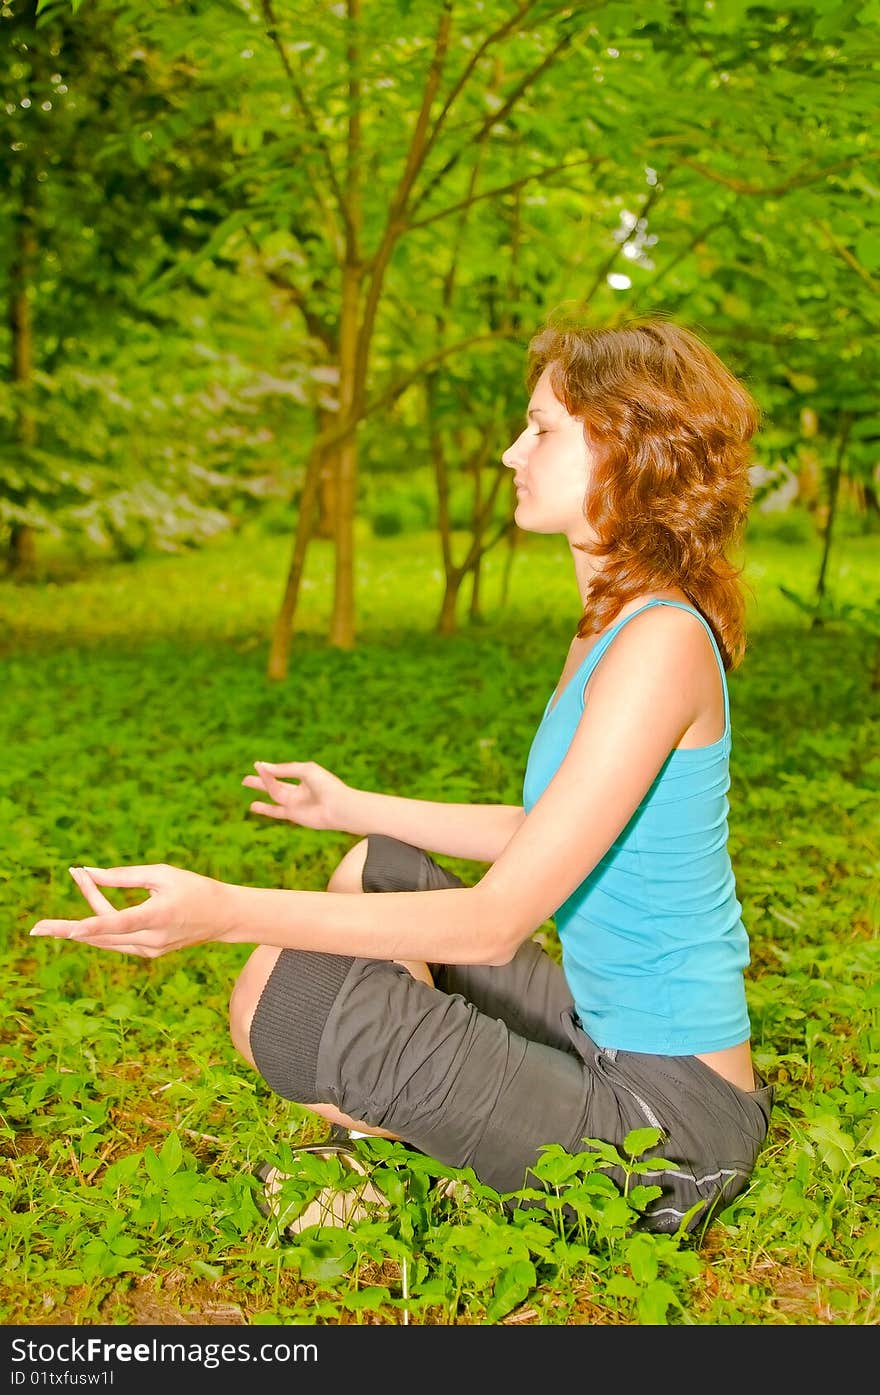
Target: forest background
{"points": [[270, 270]]}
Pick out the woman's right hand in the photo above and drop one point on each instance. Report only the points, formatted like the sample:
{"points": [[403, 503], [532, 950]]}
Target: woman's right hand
{"points": [[317, 800]]}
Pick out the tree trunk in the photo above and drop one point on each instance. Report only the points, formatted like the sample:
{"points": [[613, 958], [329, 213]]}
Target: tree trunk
{"points": [[354, 349], [833, 495], [513, 539], [282, 633], [342, 624], [327, 503], [446, 622], [22, 539], [474, 615], [324, 519]]}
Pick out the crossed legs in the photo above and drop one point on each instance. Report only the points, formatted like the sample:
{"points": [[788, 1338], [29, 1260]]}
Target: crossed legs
{"points": [[347, 877]]}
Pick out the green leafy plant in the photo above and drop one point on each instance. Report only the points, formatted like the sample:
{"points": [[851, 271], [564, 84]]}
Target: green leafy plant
{"points": [[135, 700]]}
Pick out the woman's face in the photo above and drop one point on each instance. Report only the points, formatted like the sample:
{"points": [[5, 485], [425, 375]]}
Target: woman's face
{"points": [[552, 464]]}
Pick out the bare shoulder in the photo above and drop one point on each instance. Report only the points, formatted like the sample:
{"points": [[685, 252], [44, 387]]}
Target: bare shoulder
{"points": [[659, 649], [660, 629]]}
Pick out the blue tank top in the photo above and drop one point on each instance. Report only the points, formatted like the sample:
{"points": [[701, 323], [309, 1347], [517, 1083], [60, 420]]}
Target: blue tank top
{"points": [[653, 943]]}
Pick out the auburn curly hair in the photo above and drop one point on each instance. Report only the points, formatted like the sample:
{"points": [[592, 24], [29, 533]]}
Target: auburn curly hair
{"points": [[670, 427]]}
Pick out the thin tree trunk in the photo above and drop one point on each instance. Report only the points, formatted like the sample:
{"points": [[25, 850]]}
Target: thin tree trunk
{"points": [[327, 503], [446, 619], [833, 495], [352, 355], [22, 540], [513, 538], [479, 524], [342, 623], [282, 631]]}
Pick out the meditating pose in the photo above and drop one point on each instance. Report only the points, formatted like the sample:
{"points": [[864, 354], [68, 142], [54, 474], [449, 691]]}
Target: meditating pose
{"points": [[426, 1010]]}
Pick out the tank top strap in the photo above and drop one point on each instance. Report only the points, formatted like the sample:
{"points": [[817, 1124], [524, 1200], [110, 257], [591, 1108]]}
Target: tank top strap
{"points": [[599, 649]]}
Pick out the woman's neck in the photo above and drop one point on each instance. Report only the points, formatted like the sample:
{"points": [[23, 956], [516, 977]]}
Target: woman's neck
{"points": [[586, 568]]}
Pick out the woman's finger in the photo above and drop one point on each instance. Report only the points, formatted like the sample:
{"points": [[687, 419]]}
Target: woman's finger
{"points": [[276, 788], [60, 929], [96, 899], [128, 921], [295, 768], [273, 811], [143, 878], [116, 946]]}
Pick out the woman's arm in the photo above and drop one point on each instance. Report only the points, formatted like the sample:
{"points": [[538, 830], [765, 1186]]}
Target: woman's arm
{"points": [[320, 799], [477, 831], [644, 694]]}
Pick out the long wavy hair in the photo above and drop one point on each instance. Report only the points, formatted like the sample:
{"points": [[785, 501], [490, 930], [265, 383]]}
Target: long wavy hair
{"points": [[670, 428]]}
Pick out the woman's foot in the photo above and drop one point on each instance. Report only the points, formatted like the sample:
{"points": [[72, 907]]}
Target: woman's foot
{"points": [[352, 1197]]}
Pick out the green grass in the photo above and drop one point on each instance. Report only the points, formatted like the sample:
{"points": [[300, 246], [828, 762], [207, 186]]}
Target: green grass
{"points": [[135, 699]]}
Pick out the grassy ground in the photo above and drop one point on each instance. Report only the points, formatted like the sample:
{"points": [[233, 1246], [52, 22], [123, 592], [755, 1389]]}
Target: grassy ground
{"points": [[134, 700]]}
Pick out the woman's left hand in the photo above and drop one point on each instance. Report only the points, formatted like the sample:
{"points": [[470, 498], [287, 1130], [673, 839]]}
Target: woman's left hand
{"points": [[183, 908]]}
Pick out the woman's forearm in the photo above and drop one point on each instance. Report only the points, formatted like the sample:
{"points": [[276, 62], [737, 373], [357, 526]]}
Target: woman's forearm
{"points": [[477, 831], [459, 925]]}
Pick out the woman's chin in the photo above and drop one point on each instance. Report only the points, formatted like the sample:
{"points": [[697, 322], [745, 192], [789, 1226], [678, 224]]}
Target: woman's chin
{"points": [[529, 520]]}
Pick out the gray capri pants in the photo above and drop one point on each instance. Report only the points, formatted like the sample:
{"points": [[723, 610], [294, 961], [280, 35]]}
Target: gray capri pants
{"points": [[491, 1064]]}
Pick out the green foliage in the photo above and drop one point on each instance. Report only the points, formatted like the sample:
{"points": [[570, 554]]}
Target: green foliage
{"points": [[793, 525], [135, 701], [864, 616], [406, 502], [175, 177]]}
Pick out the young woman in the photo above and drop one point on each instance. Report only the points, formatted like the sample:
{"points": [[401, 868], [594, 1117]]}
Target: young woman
{"points": [[426, 1010]]}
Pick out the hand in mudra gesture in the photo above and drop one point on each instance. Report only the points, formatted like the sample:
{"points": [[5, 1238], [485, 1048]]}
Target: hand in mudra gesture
{"points": [[315, 801], [182, 908]]}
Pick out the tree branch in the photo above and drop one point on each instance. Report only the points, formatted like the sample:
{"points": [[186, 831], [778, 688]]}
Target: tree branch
{"points": [[796, 181], [314, 324], [515, 21], [494, 118], [353, 149], [309, 120], [593, 160], [394, 223], [846, 255], [653, 195], [480, 52], [679, 257], [397, 389], [344, 429]]}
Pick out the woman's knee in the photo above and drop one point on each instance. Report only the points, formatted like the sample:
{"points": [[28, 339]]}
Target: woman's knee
{"points": [[349, 876], [246, 995], [349, 872]]}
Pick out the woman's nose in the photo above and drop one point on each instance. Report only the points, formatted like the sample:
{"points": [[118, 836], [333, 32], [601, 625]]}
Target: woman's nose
{"points": [[512, 455]]}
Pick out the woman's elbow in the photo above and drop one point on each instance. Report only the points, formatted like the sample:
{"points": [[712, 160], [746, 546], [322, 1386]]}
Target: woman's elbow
{"points": [[498, 956], [501, 932]]}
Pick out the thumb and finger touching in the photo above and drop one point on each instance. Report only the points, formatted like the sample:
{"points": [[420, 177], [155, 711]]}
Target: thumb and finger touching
{"points": [[275, 787], [129, 919], [96, 898], [291, 768]]}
